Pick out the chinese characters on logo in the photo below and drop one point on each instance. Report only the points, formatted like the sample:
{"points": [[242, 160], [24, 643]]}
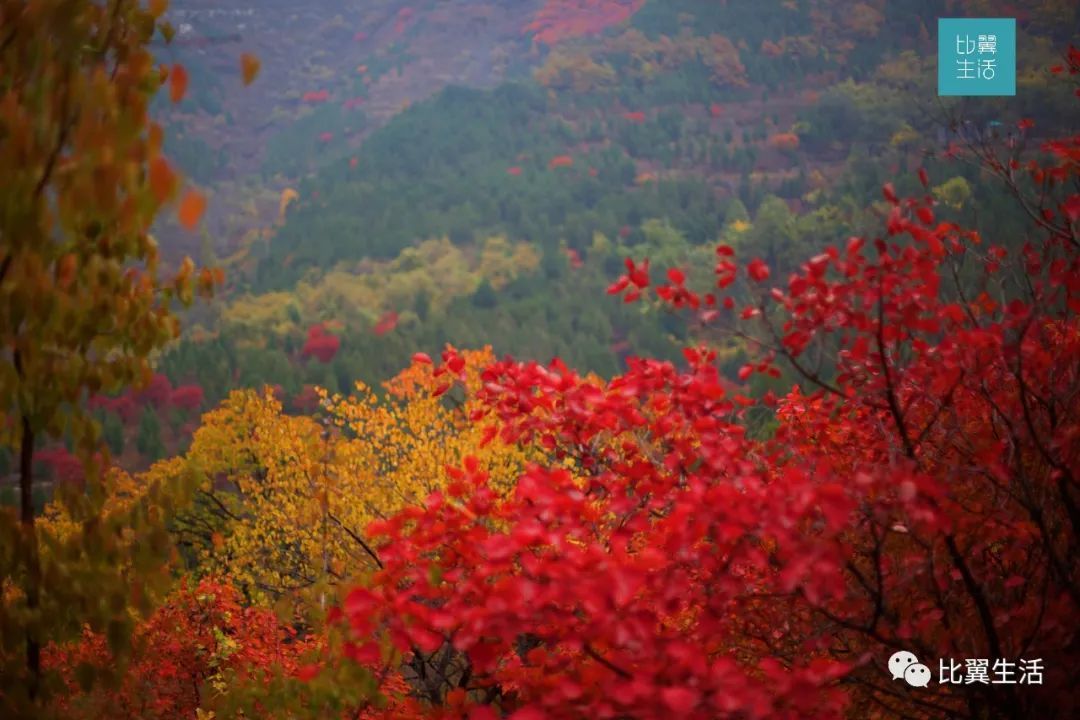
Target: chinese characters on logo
{"points": [[976, 56], [980, 67], [904, 665], [1000, 672]]}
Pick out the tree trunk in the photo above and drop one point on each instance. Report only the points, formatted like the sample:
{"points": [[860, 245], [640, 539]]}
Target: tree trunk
{"points": [[30, 551]]}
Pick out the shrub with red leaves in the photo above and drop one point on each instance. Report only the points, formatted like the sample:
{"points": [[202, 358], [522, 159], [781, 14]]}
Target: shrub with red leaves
{"points": [[320, 344], [158, 392], [188, 397]]}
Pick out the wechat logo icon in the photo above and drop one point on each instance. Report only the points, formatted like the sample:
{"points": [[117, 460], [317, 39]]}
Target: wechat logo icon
{"points": [[904, 664]]}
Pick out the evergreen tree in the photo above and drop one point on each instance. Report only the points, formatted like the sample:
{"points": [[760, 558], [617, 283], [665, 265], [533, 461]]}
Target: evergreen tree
{"points": [[113, 430], [485, 296], [148, 440]]}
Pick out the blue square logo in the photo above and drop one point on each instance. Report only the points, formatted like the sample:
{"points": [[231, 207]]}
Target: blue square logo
{"points": [[976, 56]]}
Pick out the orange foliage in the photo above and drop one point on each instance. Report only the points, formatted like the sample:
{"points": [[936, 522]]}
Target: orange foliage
{"points": [[162, 179], [560, 161], [784, 141], [178, 82], [249, 67], [562, 19], [192, 208]]}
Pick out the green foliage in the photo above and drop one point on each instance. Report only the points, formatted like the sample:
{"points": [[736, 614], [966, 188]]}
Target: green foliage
{"points": [[148, 440], [441, 169], [302, 147], [113, 433], [193, 155]]}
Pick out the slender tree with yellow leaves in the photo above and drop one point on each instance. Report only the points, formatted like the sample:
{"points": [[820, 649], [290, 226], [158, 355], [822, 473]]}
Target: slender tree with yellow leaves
{"points": [[83, 302], [285, 500]]}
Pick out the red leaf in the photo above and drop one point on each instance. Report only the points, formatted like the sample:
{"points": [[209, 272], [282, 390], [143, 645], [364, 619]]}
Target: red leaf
{"points": [[178, 83], [758, 270], [890, 193], [307, 673], [680, 700], [1071, 208]]}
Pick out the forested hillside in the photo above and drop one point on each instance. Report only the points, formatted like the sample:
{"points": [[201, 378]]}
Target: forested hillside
{"points": [[352, 195], [499, 212], [535, 359]]}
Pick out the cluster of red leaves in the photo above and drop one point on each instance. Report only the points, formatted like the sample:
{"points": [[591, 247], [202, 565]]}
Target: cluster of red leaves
{"points": [[637, 117], [1071, 65], [175, 651], [63, 465], [123, 405], [187, 397], [784, 141], [158, 393], [923, 495], [558, 20], [628, 575], [320, 344], [387, 322], [316, 96]]}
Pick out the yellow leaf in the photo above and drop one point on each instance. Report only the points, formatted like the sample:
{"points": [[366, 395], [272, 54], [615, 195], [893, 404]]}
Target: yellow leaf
{"points": [[178, 82], [192, 208], [249, 67]]}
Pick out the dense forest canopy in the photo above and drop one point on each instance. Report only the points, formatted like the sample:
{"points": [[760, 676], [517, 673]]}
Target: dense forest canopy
{"points": [[547, 358]]}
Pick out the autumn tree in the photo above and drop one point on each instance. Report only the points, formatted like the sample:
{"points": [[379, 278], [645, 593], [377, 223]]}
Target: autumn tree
{"points": [[918, 493], [200, 642], [285, 499], [83, 300]]}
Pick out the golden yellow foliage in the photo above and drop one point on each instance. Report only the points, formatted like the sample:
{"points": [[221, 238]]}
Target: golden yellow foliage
{"points": [[285, 500], [574, 70], [395, 449], [287, 196]]}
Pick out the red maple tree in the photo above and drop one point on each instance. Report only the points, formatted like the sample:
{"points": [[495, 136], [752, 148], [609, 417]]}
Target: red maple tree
{"points": [[202, 631], [187, 397], [919, 493], [158, 391], [320, 344]]}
